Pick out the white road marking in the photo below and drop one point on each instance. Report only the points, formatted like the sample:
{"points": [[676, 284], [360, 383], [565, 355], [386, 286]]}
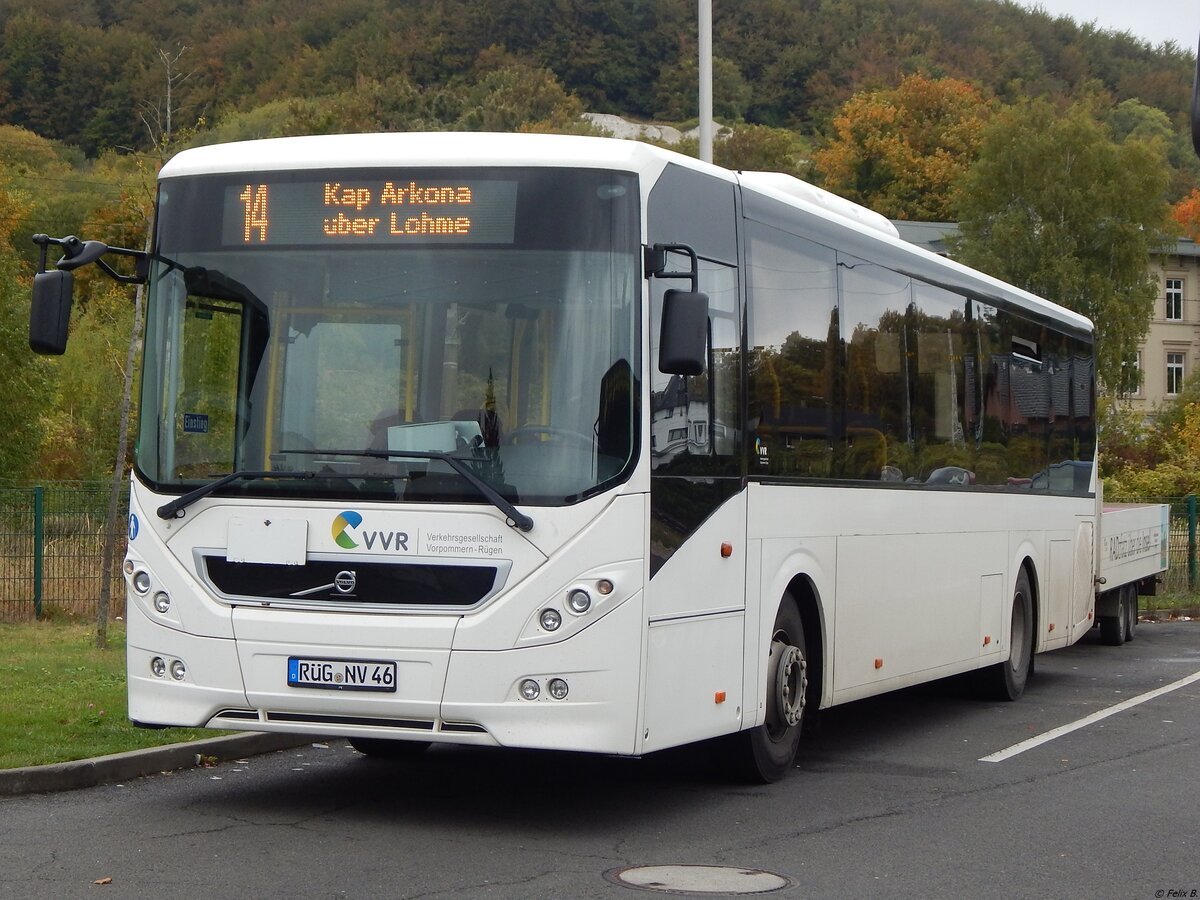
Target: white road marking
{"points": [[1010, 752]]}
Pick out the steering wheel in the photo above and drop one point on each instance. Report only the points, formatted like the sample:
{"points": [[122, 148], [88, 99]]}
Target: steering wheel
{"points": [[556, 435]]}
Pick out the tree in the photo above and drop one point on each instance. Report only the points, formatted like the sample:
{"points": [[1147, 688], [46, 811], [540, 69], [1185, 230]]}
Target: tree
{"points": [[1186, 214], [23, 377], [1055, 206], [901, 151]]}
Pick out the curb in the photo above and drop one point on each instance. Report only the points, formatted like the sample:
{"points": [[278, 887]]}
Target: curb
{"points": [[81, 773]]}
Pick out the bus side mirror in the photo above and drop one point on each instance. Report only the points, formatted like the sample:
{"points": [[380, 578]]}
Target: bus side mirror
{"points": [[51, 312], [683, 340]]}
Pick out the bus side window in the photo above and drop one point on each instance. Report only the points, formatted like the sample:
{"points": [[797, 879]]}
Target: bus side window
{"points": [[794, 352]]}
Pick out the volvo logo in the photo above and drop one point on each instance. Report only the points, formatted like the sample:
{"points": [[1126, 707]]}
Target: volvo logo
{"points": [[345, 581]]}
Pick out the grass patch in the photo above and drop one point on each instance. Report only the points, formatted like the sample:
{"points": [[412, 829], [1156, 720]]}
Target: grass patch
{"points": [[62, 699]]}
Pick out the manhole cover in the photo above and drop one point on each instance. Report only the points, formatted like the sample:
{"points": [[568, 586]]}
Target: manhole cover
{"points": [[698, 879]]}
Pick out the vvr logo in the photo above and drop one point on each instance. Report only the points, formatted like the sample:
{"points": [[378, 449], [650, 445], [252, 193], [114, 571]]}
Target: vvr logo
{"points": [[341, 522], [348, 520]]}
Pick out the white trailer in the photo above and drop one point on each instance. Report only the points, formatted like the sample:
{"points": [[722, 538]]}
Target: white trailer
{"points": [[1131, 554]]}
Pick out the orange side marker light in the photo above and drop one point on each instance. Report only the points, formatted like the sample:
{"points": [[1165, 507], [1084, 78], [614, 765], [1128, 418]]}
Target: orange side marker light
{"points": [[719, 697]]}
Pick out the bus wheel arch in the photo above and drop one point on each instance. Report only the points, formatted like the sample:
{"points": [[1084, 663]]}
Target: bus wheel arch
{"points": [[1006, 680]]}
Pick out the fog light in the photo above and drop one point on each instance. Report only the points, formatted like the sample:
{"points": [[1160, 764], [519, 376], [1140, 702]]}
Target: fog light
{"points": [[530, 689], [127, 567], [162, 602], [579, 601], [158, 666], [178, 670], [141, 581], [557, 688], [550, 619]]}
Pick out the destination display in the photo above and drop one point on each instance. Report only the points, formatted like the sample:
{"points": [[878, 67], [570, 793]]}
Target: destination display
{"points": [[352, 211]]}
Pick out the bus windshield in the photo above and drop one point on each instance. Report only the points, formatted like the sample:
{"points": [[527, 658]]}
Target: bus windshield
{"points": [[311, 322]]}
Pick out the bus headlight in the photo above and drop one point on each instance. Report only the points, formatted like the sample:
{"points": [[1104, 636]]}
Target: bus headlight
{"points": [[158, 666], [162, 601], [557, 688], [550, 619], [178, 670], [530, 689], [141, 581]]}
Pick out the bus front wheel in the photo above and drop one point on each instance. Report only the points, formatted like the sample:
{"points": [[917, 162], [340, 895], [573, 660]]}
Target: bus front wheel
{"points": [[767, 752]]}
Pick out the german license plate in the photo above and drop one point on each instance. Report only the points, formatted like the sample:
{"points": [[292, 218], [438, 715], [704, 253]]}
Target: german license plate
{"points": [[341, 674]]}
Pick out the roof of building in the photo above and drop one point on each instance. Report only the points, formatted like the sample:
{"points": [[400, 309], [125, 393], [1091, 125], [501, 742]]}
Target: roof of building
{"points": [[933, 237]]}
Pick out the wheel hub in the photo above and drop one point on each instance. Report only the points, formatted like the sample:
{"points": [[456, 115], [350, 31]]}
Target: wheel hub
{"points": [[790, 683]]}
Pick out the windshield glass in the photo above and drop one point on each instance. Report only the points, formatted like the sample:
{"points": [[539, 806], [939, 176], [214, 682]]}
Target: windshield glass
{"points": [[313, 322]]}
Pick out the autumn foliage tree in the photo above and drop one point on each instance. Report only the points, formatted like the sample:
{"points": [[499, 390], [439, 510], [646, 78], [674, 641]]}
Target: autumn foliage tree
{"points": [[1056, 206], [1186, 214], [901, 151]]}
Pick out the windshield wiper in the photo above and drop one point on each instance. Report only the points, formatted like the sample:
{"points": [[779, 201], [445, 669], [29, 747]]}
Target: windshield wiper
{"points": [[516, 518], [179, 504]]}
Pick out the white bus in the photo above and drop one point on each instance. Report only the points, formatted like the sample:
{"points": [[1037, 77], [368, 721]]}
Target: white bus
{"points": [[574, 443]]}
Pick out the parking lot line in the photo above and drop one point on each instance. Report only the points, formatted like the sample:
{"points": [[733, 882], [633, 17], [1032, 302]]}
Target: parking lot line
{"points": [[1015, 749]]}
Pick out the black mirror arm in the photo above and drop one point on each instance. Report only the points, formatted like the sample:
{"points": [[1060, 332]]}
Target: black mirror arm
{"points": [[656, 263], [77, 253]]}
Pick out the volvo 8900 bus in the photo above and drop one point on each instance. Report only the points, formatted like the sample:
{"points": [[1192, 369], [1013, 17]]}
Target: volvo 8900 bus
{"points": [[575, 443]]}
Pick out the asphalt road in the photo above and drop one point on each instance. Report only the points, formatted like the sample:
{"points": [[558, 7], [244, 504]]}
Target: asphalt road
{"points": [[890, 799]]}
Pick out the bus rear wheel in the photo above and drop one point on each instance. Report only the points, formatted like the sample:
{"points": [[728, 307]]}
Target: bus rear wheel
{"points": [[766, 753], [1006, 680], [382, 748]]}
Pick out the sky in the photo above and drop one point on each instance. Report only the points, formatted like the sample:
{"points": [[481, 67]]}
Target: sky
{"points": [[1152, 20]]}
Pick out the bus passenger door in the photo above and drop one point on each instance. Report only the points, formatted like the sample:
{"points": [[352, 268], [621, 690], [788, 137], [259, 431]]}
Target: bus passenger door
{"points": [[696, 597]]}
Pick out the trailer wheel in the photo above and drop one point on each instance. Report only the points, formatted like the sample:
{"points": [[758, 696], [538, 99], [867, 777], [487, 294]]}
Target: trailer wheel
{"points": [[382, 748], [1131, 614], [1006, 680], [1112, 628], [766, 753]]}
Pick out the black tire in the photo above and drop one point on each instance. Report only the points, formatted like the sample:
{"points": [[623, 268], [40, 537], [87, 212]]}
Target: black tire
{"points": [[1131, 613], [1112, 628], [766, 753], [382, 748], [1007, 680]]}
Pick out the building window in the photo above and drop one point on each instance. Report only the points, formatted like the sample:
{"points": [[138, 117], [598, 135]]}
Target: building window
{"points": [[1132, 373], [1174, 373], [1175, 299]]}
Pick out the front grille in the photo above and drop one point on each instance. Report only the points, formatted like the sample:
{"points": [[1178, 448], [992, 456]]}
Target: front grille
{"points": [[342, 581]]}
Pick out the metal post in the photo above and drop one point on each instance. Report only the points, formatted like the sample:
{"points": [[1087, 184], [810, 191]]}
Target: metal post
{"points": [[706, 98], [1191, 508], [39, 547]]}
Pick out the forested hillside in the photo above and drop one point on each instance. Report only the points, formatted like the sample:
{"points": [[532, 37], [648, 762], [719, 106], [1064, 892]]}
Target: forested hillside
{"points": [[92, 73], [884, 101]]}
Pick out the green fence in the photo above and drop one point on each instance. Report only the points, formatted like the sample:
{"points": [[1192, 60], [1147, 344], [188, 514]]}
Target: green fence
{"points": [[52, 541], [1182, 578], [51, 550]]}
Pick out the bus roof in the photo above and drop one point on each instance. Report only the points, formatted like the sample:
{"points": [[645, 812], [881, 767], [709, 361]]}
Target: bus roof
{"points": [[501, 149], [421, 149]]}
